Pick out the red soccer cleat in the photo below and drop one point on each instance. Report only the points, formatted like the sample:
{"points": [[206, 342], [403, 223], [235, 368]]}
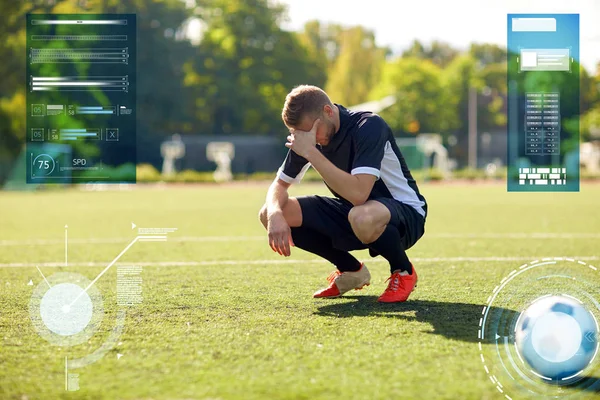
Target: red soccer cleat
{"points": [[399, 288], [342, 282]]}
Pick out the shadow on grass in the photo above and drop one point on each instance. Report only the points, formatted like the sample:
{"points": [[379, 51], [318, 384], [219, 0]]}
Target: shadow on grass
{"points": [[457, 321]]}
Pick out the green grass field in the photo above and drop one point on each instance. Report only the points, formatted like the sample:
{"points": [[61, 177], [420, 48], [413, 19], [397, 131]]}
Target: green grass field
{"points": [[223, 317]]}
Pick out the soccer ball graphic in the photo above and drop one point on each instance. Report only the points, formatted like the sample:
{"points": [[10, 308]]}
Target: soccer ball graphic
{"points": [[557, 337]]}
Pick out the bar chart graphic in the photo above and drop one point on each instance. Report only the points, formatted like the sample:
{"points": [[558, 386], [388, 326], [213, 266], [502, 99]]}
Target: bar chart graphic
{"points": [[79, 37], [78, 134], [81, 83], [110, 110], [95, 55]]}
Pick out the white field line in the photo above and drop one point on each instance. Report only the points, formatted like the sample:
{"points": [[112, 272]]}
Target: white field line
{"points": [[538, 235], [285, 261]]}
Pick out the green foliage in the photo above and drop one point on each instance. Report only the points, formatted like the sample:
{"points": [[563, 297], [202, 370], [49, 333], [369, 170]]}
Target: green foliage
{"points": [[469, 174], [146, 173], [417, 85], [322, 41], [12, 71], [124, 172], [590, 124], [459, 76], [487, 53], [160, 60], [244, 67], [357, 68], [439, 53], [590, 90], [434, 174], [189, 176], [586, 175], [492, 97]]}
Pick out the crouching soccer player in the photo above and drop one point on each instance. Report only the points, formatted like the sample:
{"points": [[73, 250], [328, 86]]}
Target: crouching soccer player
{"points": [[377, 204]]}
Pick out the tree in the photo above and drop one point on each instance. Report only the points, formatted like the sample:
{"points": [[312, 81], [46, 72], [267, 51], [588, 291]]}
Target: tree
{"points": [[439, 53], [458, 78], [418, 87], [244, 66], [160, 57], [322, 41], [357, 68], [487, 53], [12, 71], [492, 99]]}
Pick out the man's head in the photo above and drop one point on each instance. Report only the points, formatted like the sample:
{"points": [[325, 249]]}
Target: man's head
{"points": [[305, 104]]}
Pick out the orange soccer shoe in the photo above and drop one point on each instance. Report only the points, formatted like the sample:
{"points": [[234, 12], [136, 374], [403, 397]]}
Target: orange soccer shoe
{"points": [[342, 282], [400, 287]]}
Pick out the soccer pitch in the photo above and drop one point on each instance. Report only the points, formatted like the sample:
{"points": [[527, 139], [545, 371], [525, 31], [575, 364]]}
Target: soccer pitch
{"points": [[223, 317]]}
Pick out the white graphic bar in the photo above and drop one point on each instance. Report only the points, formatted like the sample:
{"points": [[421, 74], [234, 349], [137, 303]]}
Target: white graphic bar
{"points": [[79, 22], [533, 24]]}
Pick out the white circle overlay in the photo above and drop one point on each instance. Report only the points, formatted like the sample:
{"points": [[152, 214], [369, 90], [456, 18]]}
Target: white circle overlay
{"points": [[62, 317], [489, 303]]}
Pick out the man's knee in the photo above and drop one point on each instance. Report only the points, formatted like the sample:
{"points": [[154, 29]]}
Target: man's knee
{"points": [[360, 217], [362, 221], [262, 216]]}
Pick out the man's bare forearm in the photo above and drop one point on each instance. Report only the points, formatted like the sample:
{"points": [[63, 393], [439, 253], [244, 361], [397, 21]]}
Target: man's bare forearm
{"points": [[277, 197]]}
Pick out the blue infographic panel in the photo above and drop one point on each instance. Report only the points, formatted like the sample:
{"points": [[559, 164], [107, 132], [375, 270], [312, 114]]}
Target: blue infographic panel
{"points": [[543, 102], [81, 98]]}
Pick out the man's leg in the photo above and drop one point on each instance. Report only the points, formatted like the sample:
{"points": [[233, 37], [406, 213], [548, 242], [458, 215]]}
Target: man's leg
{"points": [[389, 228], [321, 245], [370, 223], [320, 226], [311, 240]]}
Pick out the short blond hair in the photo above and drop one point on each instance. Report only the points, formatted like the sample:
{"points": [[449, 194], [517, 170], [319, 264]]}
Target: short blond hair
{"points": [[301, 101]]}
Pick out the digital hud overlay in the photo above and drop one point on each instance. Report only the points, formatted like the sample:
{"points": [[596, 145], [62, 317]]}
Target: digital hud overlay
{"points": [[543, 102], [81, 92]]}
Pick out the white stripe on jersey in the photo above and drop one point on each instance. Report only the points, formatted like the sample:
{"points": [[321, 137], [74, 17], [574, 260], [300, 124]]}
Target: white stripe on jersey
{"points": [[298, 177], [393, 178], [366, 170]]}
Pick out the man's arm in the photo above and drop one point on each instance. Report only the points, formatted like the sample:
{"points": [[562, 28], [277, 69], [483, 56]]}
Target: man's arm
{"points": [[278, 227], [279, 232], [354, 188], [277, 196]]}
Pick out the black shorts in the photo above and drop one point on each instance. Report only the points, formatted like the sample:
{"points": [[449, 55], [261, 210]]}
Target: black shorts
{"points": [[329, 216]]}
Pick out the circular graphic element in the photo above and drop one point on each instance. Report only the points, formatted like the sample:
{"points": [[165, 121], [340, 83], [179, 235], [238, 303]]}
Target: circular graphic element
{"points": [[66, 309], [538, 331], [56, 315], [43, 164]]}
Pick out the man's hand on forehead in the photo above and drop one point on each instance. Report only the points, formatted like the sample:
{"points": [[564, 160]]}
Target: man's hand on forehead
{"points": [[314, 127], [302, 142]]}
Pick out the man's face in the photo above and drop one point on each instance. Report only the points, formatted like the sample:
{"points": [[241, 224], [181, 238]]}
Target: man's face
{"points": [[325, 128]]}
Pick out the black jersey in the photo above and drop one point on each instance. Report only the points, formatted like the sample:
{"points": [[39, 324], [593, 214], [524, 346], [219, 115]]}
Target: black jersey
{"points": [[364, 144]]}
